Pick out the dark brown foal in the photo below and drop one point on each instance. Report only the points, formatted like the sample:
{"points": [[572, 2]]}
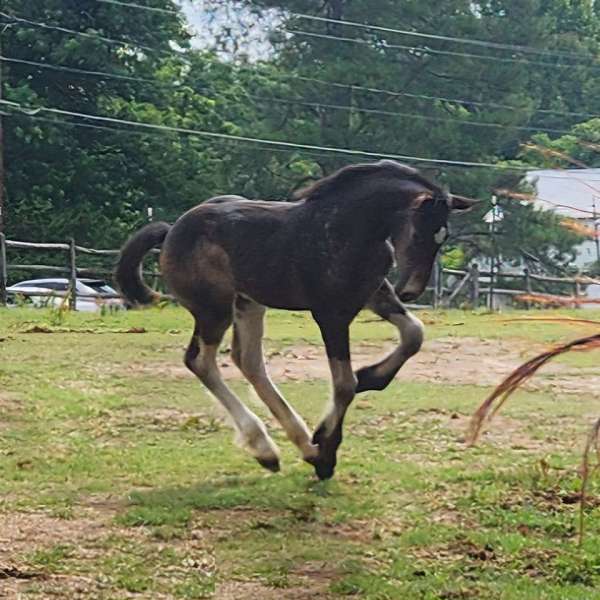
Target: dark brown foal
{"points": [[329, 253]]}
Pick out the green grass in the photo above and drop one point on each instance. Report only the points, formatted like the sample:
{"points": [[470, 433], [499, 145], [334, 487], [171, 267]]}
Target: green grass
{"points": [[132, 484]]}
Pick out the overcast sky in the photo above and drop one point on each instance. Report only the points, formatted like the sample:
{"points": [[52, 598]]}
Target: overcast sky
{"points": [[206, 23]]}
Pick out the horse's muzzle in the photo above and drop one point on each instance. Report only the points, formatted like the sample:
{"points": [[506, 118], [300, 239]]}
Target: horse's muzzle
{"points": [[408, 296]]}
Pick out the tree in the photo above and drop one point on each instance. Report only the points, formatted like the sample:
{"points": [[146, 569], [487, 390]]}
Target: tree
{"points": [[456, 101], [93, 181]]}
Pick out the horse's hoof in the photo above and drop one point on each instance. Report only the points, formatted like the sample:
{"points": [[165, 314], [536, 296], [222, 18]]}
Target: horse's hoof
{"points": [[326, 460], [271, 464], [366, 379], [324, 470]]}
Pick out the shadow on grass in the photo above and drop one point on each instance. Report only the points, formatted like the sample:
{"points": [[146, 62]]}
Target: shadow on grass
{"points": [[174, 505]]}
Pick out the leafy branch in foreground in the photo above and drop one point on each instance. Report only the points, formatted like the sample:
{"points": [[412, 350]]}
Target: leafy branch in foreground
{"points": [[516, 379]]}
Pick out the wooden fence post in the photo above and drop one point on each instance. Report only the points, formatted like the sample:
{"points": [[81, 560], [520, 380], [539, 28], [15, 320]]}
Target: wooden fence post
{"points": [[3, 271], [475, 285], [528, 287], [438, 283], [576, 293], [73, 274]]}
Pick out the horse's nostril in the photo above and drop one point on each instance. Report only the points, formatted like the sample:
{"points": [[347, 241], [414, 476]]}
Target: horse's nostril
{"points": [[408, 296]]}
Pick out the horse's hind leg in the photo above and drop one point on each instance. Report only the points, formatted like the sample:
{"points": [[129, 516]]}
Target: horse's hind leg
{"points": [[386, 304], [247, 353], [200, 358]]}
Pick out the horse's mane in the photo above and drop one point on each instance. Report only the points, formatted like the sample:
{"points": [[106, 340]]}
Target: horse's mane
{"points": [[354, 174]]}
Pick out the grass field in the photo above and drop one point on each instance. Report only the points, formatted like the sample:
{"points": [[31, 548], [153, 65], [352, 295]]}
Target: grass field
{"points": [[119, 478]]}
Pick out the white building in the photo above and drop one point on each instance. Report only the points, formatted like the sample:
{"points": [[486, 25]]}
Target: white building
{"points": [[573, 194]]}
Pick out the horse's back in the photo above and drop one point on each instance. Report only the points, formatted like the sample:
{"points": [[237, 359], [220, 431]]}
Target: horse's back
{"points": [[230, 244]]}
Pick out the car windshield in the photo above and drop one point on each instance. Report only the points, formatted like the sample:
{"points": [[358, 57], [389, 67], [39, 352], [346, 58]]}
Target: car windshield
{"points": [[101, 287]]}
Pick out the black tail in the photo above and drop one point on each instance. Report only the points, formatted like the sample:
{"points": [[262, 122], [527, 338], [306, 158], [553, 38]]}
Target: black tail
{"points": [[128, 274]]}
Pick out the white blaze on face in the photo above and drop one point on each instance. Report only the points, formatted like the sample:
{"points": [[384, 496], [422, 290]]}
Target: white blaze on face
{"points": [[440, 235]]}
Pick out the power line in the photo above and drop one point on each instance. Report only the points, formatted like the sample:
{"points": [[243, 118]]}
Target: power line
{"points": [[143, 133], [445, 38], [75, 70], [108, 40], [266, 142], [140, 6], [414, 49], [420, 34], [271, 144], [349, 86], [442, 98], [389, 113], [426, 50], [302, 101]]}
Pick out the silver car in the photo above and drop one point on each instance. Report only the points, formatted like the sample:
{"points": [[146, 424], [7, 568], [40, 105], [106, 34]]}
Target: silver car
{"points": [[92, 294]]}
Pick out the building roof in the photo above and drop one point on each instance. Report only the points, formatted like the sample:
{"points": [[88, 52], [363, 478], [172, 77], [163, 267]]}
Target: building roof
{"points": [[567, 192]]}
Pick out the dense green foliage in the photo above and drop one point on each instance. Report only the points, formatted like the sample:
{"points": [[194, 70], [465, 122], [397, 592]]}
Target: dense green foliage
{"points": [[95, 184]]}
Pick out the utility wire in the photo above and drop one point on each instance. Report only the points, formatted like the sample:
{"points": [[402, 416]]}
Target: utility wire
{"points": [[385, 45], [445, 38], [108, 40], [420, 34], [373, 90], [299, 101], [140, 6], [54, 121], [418, 50], [348, 86], [266, 142], [287, 146]]}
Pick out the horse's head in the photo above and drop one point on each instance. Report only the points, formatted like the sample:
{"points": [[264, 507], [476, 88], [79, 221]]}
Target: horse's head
{"points": [[418, 236]]}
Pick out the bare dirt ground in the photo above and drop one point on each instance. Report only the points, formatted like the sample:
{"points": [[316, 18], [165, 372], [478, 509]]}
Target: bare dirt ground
{"points": [[459, 361]]}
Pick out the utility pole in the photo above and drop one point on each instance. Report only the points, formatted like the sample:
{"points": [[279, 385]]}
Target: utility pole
{"points": [[596, 229], [493, 262], [2, 211]]}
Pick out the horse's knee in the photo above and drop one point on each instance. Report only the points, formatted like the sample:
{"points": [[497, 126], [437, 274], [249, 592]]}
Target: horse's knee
{"points": [[197, 364], [413, 334], [191, 355]]}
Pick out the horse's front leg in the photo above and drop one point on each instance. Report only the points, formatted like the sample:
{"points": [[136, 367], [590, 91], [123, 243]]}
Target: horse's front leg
{"points": [[386, 304], [328, 435]]}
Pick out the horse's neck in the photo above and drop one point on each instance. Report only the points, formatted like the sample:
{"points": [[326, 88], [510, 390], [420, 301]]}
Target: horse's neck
{"points": [[372, 214]]}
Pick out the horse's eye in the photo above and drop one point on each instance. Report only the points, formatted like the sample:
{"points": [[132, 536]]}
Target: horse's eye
{"points": [[440, 235]]}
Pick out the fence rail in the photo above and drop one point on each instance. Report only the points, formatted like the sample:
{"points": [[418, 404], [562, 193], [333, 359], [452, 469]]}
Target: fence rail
{"points": [[469, 283], [70, 269], [472, 284]]}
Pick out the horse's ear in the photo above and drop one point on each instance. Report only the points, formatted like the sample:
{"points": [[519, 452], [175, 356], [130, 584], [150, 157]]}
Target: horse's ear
{"points": [[460, 203]]}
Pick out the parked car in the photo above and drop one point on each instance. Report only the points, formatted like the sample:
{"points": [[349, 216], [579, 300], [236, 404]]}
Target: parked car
{"points": [[91, 294]]}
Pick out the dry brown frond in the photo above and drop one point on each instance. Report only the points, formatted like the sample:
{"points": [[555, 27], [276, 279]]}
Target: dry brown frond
{"points": [[550, 152], [533, 197], [518, 377], [570, 320], [516, 195], [549, 299], [579, 228], [589, 145]]}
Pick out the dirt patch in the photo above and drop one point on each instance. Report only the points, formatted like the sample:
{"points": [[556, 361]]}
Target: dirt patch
{"points": [[457, 550], [26, 532], [235, 590], [458, 361], [23, 534], [502, 431], [10, 407]]}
